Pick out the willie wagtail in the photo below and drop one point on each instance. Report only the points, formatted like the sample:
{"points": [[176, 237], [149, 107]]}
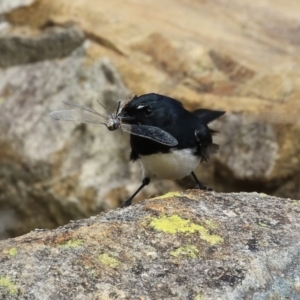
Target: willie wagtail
{"points": [[191, 138]]}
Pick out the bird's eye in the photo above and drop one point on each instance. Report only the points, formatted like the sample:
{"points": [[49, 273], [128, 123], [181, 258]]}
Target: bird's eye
{"points": [[148, 112], [145, 109]]}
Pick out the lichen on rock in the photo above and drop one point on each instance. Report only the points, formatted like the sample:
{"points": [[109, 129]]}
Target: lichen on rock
{"points": [[175, 224], [197, 245]]}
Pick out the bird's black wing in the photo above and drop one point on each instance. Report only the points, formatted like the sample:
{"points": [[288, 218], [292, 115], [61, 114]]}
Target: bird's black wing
{"points": [[205, 146]]}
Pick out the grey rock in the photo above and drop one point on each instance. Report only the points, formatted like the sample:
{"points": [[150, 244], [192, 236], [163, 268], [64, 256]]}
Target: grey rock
{"points": [[249, 148], [23, 46], [191, 245], [50, 171], [254, 155]]}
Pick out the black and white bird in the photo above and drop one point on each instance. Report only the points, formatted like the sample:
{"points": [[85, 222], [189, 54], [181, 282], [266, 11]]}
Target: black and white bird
{"points": [[188, 138]]}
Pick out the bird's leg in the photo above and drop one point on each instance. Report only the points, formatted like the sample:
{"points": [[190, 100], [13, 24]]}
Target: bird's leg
{"points": [[200, 185], [128, 202]]}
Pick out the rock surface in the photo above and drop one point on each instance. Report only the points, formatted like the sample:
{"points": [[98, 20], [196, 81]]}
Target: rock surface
{"points": [[191, 245], [22, 46], [7, 6], [242, 57]]}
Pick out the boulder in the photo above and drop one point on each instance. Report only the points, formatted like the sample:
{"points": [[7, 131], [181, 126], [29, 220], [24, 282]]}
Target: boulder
{"points": [[190, 245]]}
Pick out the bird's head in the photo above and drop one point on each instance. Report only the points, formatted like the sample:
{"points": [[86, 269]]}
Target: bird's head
{"points": [[149, 109]]}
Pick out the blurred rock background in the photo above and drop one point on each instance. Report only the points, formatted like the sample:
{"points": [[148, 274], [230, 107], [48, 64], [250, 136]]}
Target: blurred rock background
{"points": [[239, 56]]}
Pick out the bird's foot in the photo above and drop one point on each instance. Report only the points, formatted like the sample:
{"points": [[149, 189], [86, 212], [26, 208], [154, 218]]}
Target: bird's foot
{"points": [[203, 187], [126, 203]]}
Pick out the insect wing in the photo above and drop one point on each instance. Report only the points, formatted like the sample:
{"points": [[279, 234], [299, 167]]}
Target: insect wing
{"points": [[79, 116], [82, 107], [152, 133]]}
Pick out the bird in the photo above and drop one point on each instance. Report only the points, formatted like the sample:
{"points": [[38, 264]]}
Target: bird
{"points": [[192, 139]]}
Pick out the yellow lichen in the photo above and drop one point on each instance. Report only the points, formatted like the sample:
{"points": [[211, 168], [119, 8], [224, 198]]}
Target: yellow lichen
{"points": [[199, 297], [263, 225], [263, 195], [168, 195], [109, 261], [71, 244], [11, 251], [189, 251], [8, 284], [211, 224], [175, 224], [191, 196]]}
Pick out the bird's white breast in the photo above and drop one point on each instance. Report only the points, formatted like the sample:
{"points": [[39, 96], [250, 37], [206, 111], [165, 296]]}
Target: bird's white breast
{"points": [[174, 165]]}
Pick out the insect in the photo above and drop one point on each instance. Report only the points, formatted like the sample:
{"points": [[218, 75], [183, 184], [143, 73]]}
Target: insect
{"points": [[112, 121]]}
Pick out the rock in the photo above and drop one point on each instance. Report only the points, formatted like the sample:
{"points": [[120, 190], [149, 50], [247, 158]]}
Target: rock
{"points": [[191, 245], [22, 45], [9, 5]]}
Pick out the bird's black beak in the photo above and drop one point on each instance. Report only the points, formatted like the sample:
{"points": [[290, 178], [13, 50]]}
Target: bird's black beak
{"points": [[126, 118]]}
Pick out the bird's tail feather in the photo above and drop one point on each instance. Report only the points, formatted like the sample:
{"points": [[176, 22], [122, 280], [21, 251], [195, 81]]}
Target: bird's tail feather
{"points": [[207, 115]]}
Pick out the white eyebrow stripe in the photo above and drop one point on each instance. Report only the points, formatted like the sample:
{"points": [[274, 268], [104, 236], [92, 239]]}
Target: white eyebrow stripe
{"points": [[140, 107]]}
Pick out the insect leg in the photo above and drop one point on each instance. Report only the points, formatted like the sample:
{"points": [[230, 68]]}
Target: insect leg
{"points": [[117, 110], [107, 111], [128, 202], [200, 185]]}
